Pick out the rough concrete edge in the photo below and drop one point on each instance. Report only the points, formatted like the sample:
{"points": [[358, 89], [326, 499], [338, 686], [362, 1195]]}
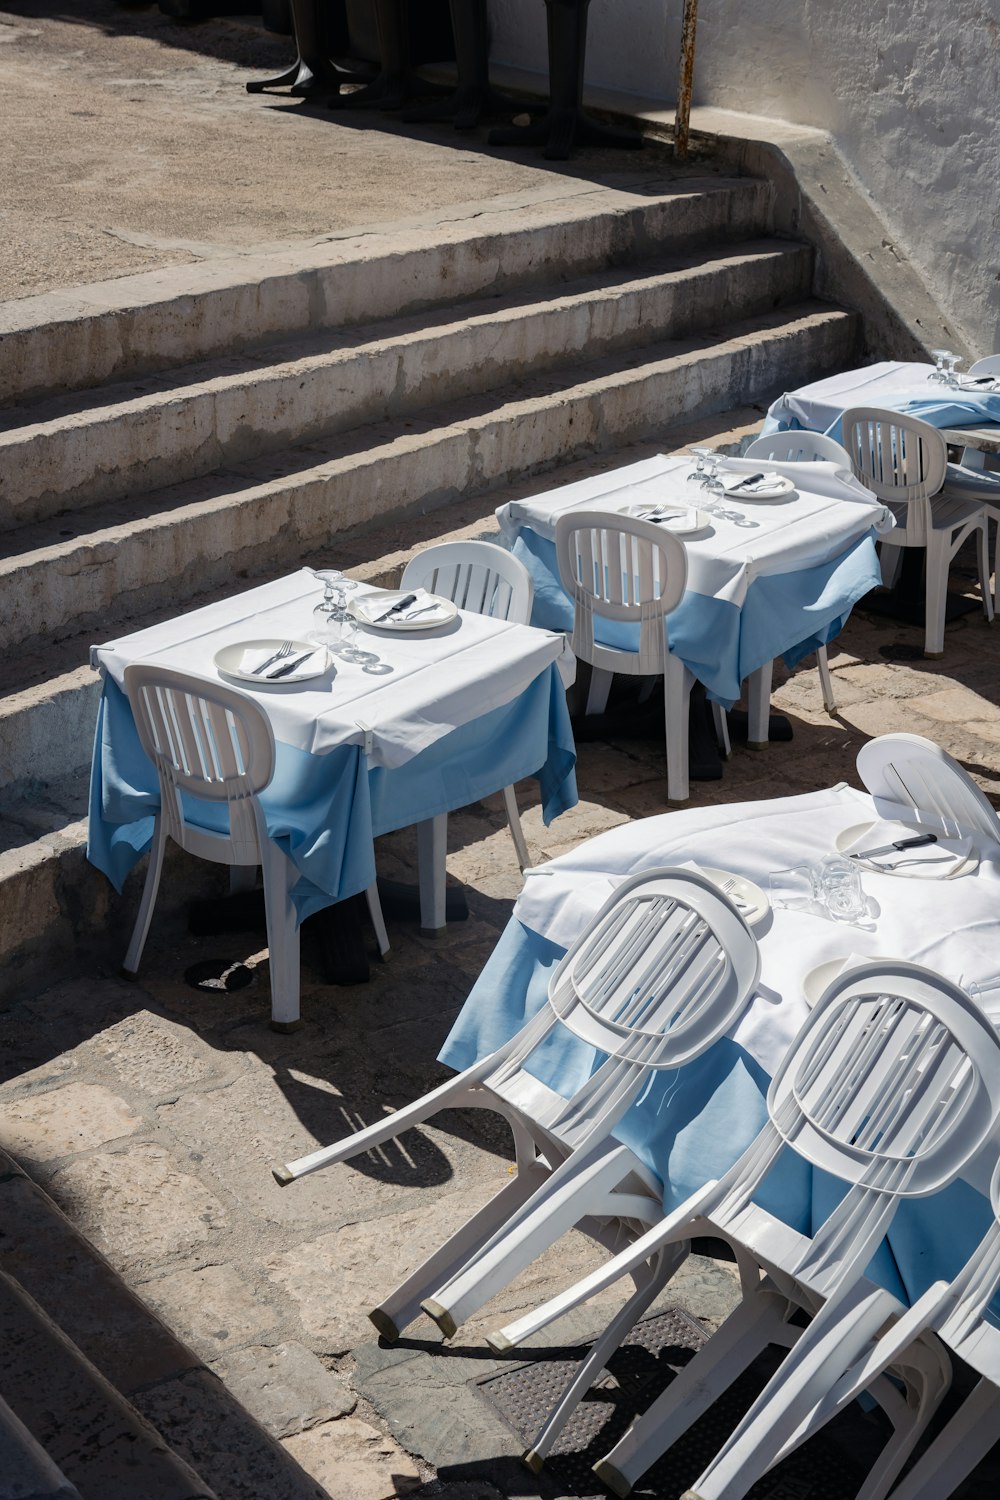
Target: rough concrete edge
{"points": [[109, 1393]]}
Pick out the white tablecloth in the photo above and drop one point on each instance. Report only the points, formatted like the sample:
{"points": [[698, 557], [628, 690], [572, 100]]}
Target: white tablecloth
{"points": [[810, 527], [440, 680]]}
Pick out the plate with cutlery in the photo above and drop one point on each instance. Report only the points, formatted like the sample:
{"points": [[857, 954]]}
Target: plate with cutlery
{"points": [[762, 486], [272, 663], [682, 520], [401, 610], [907, 852], [748, 898]]}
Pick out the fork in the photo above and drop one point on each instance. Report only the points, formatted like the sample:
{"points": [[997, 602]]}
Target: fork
{"points": [[285, 649], [738, 901]]}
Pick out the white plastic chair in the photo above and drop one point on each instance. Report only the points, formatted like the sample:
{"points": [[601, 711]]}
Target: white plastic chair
{"points": [[957, 1313], [990, 365], [620, 568], [905, 462], [214, 744], [892, 1085], [912, 780], [487, 580], [804, 447], [664, 969]]}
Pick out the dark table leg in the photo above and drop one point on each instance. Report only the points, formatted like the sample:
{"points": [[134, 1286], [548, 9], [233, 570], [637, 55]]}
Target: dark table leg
{"points": [[320, 34], [474, 96], [395, 82], [565, 125]]}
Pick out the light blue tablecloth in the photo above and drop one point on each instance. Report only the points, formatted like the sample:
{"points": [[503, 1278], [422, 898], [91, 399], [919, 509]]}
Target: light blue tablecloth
{"points": [[691, 1125], [783, 614], [324, 810]]}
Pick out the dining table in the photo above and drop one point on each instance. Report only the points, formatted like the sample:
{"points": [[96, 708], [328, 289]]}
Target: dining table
{"points": [[689, 1126], [778, 580], [966, 412], [422, 721]]}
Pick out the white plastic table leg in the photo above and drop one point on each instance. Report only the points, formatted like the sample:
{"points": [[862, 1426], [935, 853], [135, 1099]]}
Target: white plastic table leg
{"points": [[759, 705], [600, 687], [516, 831], [280, 875], [153, 871], [377, 919], [432, 850]]}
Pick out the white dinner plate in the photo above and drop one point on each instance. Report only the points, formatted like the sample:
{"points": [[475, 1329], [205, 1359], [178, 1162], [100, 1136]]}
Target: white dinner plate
{"points": [[439, 611], [886, 833], [682, 520], [778, 488], [229, 661], [749, 900]]}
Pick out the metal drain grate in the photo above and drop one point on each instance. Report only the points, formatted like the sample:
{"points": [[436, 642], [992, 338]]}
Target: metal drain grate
{"points": [[641, 1369]]}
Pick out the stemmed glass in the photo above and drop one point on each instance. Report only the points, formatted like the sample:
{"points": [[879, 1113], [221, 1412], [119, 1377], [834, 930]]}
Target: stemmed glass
{"points": [[938, 373], [951, 378], [710, 481]]}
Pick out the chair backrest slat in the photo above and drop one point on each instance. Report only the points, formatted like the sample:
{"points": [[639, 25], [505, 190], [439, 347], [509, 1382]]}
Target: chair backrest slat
{"points": [[477, 576], [797, 446], [912, 780]]}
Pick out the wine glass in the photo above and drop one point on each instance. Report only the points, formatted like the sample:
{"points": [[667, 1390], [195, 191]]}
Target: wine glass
{"points": [[332, 580], [702, 455], [953, 361], [938, 373]]}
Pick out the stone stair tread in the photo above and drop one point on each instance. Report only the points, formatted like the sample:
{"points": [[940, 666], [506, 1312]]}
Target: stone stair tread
{"points": [[174, 316], [26, 1471], [122, 1341], [88, 1429], [86, 450], [100, 524], [98, 403]]}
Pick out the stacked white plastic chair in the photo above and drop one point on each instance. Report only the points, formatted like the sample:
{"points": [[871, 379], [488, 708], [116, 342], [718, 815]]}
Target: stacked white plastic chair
{"points": [[215, 745], [957, 1313], [905, 463], [664, 969], [914, 781], [632, 572], [487, 580], [892, 1086], [971, 480], [804, 447]]}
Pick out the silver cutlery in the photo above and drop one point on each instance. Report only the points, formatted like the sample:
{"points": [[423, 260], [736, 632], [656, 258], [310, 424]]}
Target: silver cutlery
{"points": [[897, 845], [290, 666], [424, 609], [395, 609], [285, 649]]}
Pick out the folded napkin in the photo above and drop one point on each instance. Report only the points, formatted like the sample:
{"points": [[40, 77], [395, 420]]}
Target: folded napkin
{"points": [[928, 862], [429, 609]]}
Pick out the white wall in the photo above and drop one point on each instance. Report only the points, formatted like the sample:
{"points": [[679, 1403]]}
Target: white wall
{"points": [[909, 90]]}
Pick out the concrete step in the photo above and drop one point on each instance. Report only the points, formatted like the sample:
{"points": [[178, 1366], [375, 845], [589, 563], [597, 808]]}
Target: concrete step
{"points": [[152, 1374], [134, 325], [69, 453], [93, 1436], [237, 523], [26, 1471]]}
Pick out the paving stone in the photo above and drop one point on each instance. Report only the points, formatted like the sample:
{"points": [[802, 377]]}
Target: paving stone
{"points": [[222, 1442], [955, 706], [73, 1117], [354, 1461], [154, 1056], [285, 1387], [214, 1308], [137, 1206]]}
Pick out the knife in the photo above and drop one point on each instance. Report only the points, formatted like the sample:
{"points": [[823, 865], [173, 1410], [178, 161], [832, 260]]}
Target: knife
{"points": [[914, 843], [291, 666], [400, 604]]}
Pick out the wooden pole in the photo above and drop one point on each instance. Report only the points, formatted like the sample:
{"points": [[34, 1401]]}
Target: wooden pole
{"points": [[685, 78]]}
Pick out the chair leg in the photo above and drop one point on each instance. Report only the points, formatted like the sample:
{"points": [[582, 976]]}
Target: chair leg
{"points": [[516, 831], [282, 938], [956, 1450], [677, 684], [890, 561], [721, 730], [377, 919], [938, 558], [759, 705], [825, 680], [983, 551], [153, 872], [600, 687], [432, 850]]}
